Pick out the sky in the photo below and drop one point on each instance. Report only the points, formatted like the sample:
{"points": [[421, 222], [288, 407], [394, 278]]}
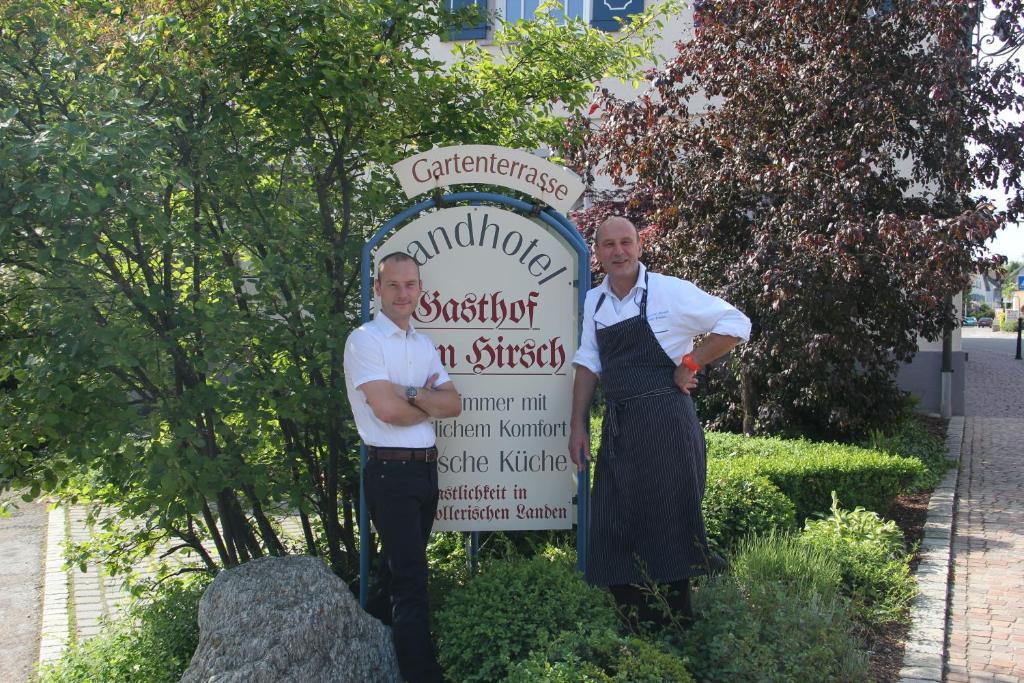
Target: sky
{"points": [[1009, 242]]}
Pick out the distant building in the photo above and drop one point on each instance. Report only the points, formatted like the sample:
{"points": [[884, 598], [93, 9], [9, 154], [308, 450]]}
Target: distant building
{"points": [[986, 288]]}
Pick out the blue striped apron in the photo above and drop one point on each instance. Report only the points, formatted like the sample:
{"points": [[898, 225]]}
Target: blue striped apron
{"points": [[646, 523]]}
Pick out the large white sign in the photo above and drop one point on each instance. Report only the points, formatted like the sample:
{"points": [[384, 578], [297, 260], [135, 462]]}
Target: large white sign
{"points": [[500, 303], [517, 169]]}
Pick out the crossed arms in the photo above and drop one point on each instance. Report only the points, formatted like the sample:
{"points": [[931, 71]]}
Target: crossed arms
{"points": [[388, 402]]}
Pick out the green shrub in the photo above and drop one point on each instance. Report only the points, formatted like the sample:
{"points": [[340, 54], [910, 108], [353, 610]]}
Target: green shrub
{"points": [[777, 617], [448, 557], [736, 506], [873, 562], [511, 608], [858, 526], [910, 439], [808, 472], [600, 656], [153, 643]]}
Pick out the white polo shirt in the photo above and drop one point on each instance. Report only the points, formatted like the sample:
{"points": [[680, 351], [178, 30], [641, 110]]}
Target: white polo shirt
{"points": [[378, 350], [677, 311]]}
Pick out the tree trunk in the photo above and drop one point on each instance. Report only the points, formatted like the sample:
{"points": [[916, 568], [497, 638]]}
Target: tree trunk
{"points": [[748, 399]]}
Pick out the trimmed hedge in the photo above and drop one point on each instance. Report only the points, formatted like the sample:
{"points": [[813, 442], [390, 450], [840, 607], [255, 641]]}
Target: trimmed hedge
{"points": [[737, 506], [809, 472], [910, 439], [511, 608]]}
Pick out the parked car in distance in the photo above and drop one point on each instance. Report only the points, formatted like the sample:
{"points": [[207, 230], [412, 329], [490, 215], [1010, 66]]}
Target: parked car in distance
{"points": [[984, 322], [970, 321]]}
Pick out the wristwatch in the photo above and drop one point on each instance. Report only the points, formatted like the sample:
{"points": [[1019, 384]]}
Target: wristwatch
{"points": [[690, 363], [410, 395]]}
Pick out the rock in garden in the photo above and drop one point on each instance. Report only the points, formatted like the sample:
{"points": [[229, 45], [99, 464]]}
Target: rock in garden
{"points": [[282, 619]]}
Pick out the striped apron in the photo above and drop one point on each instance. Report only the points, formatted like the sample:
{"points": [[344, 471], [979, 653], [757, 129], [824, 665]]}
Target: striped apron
{"points": [[646, 523]]}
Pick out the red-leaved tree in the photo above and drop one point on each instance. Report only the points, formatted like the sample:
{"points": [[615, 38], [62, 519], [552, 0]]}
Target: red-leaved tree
{"points": [[824, 191]]}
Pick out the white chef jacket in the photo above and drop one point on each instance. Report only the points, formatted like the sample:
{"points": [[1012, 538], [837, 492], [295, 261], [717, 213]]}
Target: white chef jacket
{"points": [[677, 311]]}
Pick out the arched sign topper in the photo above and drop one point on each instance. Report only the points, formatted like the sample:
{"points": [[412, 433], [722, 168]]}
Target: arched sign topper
{"points": [[516, 169], [504, 286]]}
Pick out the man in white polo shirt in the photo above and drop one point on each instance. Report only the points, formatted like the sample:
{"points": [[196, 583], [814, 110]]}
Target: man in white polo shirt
{"points": [[395, 384], [638, 342]]}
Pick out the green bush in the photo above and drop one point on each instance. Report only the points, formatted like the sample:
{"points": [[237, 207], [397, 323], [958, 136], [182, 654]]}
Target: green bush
{"points": [[910, 439], [600, 656], [808, 472], [447, 554], [511, 608], [153, 643], [873, 562], [737, 506], [777, 617], [858, 526]]}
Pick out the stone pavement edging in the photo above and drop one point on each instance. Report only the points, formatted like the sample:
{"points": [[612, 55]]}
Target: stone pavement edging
{"points": [[925, 652], [55, 631]]}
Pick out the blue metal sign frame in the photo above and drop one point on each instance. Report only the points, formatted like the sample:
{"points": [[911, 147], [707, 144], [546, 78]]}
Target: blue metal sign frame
{"points": [[564, 227]]}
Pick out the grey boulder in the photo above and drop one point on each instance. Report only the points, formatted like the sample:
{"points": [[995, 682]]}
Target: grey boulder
{"points": [[279, 619]]}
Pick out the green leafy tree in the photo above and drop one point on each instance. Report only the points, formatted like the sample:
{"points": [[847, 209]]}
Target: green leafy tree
{"points": [[1010, 272], [184, 192]]}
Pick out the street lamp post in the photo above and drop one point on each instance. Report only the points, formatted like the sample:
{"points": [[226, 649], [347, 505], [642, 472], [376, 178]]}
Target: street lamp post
{"points": [[1020, 323]]}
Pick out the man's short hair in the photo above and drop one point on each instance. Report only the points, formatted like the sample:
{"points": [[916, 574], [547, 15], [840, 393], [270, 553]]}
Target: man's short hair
{"points": [[615, 217], [397, 257]]}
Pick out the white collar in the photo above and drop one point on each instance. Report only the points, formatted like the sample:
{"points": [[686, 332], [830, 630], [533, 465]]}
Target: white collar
{"points": [[641, 283], [388, 326]]}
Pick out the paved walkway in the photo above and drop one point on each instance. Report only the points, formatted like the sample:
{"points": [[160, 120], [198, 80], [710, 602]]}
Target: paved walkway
{"points": [[985, 630], [22, 538], [74, 602]]}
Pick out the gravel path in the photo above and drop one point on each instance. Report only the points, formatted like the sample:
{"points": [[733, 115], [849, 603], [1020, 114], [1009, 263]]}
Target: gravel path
{"points": [[22, 539]]}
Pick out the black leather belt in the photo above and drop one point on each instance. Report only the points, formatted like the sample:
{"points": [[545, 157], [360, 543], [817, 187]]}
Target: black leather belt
{"points": [[404, 454]]}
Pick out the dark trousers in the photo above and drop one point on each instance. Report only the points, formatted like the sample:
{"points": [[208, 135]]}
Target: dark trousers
{"points": [[644, 608], [402, 500]]}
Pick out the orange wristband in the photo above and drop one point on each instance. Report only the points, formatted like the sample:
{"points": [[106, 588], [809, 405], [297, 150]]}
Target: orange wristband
{"points": [[690, 363]]}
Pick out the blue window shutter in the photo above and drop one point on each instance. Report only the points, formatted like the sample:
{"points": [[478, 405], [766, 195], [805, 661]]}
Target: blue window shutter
{"points": [[474, 32], [606, 12]]}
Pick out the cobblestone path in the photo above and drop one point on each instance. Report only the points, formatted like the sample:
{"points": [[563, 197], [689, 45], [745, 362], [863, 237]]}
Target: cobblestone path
{"points": [[985, 628]]}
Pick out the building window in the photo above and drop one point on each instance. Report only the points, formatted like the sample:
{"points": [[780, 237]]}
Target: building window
{"points": [[477, 31], [527, 9]]}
